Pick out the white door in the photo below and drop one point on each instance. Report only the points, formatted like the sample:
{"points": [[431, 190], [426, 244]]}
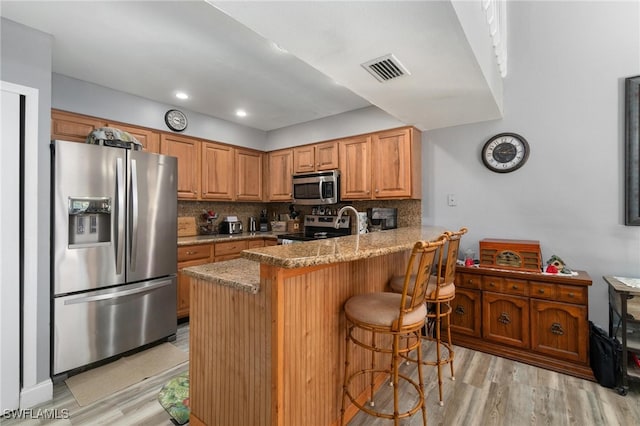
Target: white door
{"points": [[10, 115]]}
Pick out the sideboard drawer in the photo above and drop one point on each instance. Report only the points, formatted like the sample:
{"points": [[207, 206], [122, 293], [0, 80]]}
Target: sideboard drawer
{"points": [[468, 281], [571, 294], [543, 290], [490, 283], [517, 287]]}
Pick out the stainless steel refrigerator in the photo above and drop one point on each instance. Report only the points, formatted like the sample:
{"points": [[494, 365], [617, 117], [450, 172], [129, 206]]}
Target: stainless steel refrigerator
{"points": [[114, 253]]}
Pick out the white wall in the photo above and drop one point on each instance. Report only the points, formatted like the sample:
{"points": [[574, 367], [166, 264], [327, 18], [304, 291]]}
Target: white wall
{"points": [[79, 96], [564, 94]]}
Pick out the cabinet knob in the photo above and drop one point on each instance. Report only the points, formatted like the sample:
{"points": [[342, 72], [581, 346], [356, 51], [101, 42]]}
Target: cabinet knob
{"points": [[191, 252], [377, 190], [515, 287], [571, 294], [492, 284], [470, 281], [541, 290]]}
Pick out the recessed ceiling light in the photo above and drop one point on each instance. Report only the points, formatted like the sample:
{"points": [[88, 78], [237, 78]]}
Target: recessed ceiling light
{"points": [[182, 95], [241, 113], [279, 48]]}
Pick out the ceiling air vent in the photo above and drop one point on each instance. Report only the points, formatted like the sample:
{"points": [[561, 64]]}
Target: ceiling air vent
{"points": [[385, 68]]}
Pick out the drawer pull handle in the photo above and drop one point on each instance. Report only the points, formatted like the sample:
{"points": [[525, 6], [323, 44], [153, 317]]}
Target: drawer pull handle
{"points": [[504, 318], [541, 291], [459, 310], [492, 284], [556, 328], [470, 281], [191, 252], [570, 294], [515, 287]]}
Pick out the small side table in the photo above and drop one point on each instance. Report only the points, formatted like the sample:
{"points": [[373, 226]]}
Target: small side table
{"points": [[624, 324]]}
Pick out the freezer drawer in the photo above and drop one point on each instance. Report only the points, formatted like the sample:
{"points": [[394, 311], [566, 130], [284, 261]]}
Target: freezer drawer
{"points": [[95, 325]]}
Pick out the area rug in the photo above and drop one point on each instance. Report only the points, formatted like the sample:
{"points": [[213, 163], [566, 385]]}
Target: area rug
{"points": [[100, 382], [174, 397]]}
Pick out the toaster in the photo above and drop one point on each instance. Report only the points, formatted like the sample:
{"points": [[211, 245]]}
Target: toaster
{"points": [[232, 227]]}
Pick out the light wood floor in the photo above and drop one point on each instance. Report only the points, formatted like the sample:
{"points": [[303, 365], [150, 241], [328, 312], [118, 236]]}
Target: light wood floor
{"points": [[488, 390]]}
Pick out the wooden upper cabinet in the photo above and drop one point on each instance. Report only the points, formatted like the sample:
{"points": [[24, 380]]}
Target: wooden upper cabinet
{"points": [[217, 172], [318, 157], [278, 177], [392, 164], [149, 139], [188, 152], [73, 127], [249, 175], [355, 160]]}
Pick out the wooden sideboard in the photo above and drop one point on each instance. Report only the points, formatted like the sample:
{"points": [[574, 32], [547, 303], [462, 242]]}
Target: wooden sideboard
{"points": [[539, 319]]}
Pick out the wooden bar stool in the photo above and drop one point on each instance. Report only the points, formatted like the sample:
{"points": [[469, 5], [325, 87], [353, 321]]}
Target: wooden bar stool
{"points": [[440, 292], [370, 317]]}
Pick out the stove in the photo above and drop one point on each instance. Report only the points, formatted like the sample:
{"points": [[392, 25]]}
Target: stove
{"points": [[318, 228]]}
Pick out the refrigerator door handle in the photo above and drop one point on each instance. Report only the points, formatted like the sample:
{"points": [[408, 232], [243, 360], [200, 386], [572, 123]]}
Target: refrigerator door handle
{"points": [[133, 249], [116, 295], [120, 214]]}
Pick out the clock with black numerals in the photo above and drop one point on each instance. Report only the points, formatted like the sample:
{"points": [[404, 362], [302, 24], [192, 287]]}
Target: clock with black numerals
{"points": [[505, 152], [176, 120]]}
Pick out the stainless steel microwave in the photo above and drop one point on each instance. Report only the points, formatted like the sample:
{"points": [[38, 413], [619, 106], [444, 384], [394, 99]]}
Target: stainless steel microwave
{"points": [[317, 188]]}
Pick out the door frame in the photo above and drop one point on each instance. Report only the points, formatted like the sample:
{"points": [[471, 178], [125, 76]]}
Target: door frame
{"points": [[32, 392]]}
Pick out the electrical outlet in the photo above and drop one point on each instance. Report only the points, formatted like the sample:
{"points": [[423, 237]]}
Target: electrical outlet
{"points": [[452, 201]]}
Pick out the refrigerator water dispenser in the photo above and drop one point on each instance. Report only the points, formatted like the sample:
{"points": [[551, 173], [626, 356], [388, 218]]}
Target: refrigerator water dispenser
{"points": [[89, 221]]}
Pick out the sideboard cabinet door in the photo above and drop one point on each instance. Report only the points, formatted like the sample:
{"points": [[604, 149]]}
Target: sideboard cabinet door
{"points": [[559, 329], [465, 312], [505, 319]]}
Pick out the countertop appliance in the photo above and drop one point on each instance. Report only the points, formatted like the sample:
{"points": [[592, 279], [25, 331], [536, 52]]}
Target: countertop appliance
{"points": [[317, 228], [114, 255], [382, 218], [251, 222], [230, 225], [316, 188]]}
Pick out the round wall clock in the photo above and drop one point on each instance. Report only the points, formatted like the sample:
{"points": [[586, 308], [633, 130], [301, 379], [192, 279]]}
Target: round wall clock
{"points": [[176, 120], [505, 152]]}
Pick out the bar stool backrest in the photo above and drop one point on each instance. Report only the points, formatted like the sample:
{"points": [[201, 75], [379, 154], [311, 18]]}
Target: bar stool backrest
{"points": [[424, 252]]}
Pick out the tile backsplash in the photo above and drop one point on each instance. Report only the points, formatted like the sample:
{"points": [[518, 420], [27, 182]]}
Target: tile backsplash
{"points": [[409, 211]]}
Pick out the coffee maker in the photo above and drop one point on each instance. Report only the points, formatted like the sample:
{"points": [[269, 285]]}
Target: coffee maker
{"points": [[382, 218], [264, 222]]}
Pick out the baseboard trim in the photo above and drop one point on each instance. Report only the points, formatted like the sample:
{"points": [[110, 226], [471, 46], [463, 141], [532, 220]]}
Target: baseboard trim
{"points": [[37, 394]]}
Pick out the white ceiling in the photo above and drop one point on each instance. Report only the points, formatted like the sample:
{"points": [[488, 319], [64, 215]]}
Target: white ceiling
{"points": [[227, 61]]}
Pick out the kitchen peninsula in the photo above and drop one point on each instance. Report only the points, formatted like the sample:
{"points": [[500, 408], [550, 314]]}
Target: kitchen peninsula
{"points": [[268, 333]]}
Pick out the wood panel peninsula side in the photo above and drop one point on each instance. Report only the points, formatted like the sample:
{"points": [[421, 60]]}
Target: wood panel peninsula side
{"points": [[267, 332]]}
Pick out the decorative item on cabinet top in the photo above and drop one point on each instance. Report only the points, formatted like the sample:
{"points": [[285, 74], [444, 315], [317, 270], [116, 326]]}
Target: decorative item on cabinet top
{"points": [[522, 255]]}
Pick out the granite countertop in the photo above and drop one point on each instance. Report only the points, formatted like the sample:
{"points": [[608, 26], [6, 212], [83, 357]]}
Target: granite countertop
{"points": [[241, 274], [199, 239], [244, 274], [342, 249]]}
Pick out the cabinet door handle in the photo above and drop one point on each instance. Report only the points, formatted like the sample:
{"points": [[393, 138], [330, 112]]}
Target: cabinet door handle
{"points": [[504, 318], [556, 328], [459, 310], [570, 294]]}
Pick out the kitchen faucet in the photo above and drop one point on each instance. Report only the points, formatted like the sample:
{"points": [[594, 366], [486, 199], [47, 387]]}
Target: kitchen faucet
{"points": [[341, 212]]}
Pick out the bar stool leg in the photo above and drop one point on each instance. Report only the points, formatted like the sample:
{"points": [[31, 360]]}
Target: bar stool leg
{"points": [[346, 369], [450, 347], [439, 352], [373, 366]]}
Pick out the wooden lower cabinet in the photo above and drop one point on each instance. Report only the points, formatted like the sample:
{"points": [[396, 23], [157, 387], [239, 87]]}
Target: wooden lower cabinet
{"points": [[192, 255], [538, 319]]}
